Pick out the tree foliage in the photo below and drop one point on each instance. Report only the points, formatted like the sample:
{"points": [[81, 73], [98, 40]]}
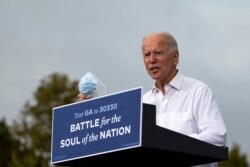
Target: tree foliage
{"points": [[235, 159], [33, 129], [7, 144]]}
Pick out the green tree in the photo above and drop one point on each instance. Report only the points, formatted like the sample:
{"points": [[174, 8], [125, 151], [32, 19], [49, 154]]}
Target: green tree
{"points": [[235, 158], [7, 144], [33, 128]]}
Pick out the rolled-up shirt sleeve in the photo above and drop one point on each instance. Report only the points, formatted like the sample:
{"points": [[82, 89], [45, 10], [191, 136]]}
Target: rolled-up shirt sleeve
{"points": [[211, 127]]}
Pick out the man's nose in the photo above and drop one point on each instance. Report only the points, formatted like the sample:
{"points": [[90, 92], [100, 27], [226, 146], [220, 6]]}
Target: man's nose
{"points": [[152, 58]]}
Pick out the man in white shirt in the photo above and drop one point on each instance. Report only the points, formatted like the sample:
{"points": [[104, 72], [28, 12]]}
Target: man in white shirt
{"points": [[183, 104]]}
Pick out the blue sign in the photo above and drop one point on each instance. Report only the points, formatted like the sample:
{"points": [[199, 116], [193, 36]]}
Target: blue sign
{"points": [[97, 126]]}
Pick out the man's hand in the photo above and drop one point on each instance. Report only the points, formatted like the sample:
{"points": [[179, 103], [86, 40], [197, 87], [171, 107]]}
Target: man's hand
{"points": [[82, 97]]}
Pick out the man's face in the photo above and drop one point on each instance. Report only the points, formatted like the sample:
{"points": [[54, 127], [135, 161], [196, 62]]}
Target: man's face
{"points": [[159, 60]]}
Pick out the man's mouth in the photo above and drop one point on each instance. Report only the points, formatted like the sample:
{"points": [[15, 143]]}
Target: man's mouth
{"points": [[154, 69]]}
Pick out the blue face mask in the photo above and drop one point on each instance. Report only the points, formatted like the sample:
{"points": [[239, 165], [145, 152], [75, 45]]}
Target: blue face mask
{"points": [[88, 84]]}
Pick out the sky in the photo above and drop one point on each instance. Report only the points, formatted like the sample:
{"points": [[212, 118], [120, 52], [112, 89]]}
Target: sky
{"points": [[38, 38]]}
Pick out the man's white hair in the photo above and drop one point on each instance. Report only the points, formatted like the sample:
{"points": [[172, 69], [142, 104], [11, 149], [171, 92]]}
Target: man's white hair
{"points": [[173, 46]]}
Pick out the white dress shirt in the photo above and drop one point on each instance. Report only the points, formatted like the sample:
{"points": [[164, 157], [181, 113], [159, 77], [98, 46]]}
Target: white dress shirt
{"points": [[188, 107]]}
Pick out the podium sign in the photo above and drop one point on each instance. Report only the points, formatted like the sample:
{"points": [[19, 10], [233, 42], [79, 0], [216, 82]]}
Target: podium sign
{"points": [[97, 126]]}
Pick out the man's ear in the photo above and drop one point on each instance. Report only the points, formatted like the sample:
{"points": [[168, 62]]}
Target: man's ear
{"points": [[176, 57]]}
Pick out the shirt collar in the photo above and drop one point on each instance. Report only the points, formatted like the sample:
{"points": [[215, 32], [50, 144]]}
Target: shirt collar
{"points": [[175, 82]]}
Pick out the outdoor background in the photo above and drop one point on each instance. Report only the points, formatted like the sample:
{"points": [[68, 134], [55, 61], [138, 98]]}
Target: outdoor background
{"points": [[41, 37]]}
